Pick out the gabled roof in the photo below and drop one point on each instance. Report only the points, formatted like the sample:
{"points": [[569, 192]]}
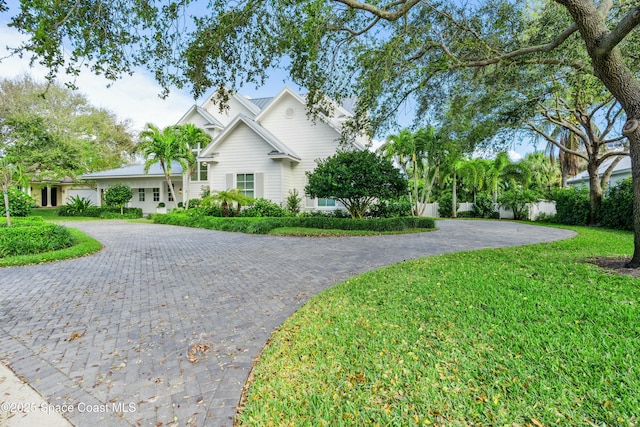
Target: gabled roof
{"points": [[211, 122], [274, 101], [255, 109], [134, 171], [280, 150], [622, 168], [261, 102]]}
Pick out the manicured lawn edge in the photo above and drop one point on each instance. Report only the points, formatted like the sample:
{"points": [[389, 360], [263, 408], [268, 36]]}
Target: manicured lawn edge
{"points": [[85, 245], [530, 335]]}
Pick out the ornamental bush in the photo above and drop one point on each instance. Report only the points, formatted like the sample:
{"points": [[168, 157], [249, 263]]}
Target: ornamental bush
{"points": [[391, 208], [572, 206], [19, 203], [264, 208], [616, 209], [518, 199], [34, 238], [119, 194], [484, 206], [445, 205], [105, 212]]}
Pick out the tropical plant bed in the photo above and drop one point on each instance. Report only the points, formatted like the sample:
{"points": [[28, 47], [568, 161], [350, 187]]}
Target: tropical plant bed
{"points": [[265, 225], [533, 335]]}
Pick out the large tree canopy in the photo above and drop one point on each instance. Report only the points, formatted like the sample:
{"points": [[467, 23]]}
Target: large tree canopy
{"points": [[380, 51], [55, 132]]}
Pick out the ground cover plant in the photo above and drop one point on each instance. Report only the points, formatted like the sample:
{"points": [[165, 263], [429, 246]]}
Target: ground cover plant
{"points": [[33, 237], [533, 335]]}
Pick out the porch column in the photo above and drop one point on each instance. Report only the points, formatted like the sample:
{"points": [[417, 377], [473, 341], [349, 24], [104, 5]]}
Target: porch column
{"points": [[48, 196], [99, 195]]}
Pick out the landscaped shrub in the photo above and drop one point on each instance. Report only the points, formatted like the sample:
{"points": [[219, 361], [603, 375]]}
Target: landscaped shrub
{"points": [[294, 202], [484, 206], [264, 208], [572, 206], [390, 208], [445, 205], [19, 203], [518, 199], [33, 239], [77, 205], [118, 195], [264, 225], [616, 209], [107, 212]]}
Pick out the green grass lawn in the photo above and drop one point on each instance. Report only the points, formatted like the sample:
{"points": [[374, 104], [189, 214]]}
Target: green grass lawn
{"points": [[524, 336]]}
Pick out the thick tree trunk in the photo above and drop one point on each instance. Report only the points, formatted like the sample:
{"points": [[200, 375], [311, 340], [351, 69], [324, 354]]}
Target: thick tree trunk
{"points": [[595, 192], [610, 68], [632, 131]]}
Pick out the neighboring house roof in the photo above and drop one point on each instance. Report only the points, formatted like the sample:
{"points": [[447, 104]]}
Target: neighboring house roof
{"points": [[134, 171], [279, 149], [622, 169]]}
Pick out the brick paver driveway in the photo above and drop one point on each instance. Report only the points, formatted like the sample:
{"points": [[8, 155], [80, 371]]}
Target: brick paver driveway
{"points": [[109, 333]]}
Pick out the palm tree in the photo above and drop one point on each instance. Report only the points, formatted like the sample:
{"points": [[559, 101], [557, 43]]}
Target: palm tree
{"points": [[193, 139], [226, 199], [473, 175], [165, 147], [417, 157], [494, 173], [544, 174]]}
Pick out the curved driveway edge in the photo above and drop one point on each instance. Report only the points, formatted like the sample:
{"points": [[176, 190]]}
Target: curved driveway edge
{"points": [[110, 333]]}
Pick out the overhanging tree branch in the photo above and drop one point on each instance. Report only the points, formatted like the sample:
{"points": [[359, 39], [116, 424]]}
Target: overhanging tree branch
{"points": [[624, 27], [382, 13]]}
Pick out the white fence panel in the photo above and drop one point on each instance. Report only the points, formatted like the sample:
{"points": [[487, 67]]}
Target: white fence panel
{"points": [[544, 206]]}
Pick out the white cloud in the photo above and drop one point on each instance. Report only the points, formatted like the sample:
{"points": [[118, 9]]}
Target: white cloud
{"points": [[133, 97]]}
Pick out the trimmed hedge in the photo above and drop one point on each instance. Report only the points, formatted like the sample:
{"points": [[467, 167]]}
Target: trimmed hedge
{"points": [[572, 206], [265, 225], [107, 212], [616, 210], [34, 238]]}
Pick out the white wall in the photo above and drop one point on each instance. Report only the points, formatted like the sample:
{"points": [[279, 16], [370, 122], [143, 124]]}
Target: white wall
{"points": [[535, 209], [309, 140], [243, 151]]}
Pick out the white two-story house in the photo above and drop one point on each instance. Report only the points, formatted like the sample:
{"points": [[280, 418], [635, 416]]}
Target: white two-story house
{"points": [[262, 146]]}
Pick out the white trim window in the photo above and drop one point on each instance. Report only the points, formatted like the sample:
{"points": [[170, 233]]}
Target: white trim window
{"points": [[156, 194], [141, 194], [246, 183], [326, 203]]}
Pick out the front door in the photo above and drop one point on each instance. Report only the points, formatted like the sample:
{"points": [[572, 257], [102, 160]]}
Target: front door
{"points": [[43, 197], [54, 196]]}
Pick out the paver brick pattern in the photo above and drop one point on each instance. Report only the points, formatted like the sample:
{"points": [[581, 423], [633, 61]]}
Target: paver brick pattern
{"points": [[110, 333]]}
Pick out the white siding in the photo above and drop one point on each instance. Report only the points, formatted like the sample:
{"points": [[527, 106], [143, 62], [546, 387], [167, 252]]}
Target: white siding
{"points": [[148, 183], [245, 152], [305, 138], [89, 194]]}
